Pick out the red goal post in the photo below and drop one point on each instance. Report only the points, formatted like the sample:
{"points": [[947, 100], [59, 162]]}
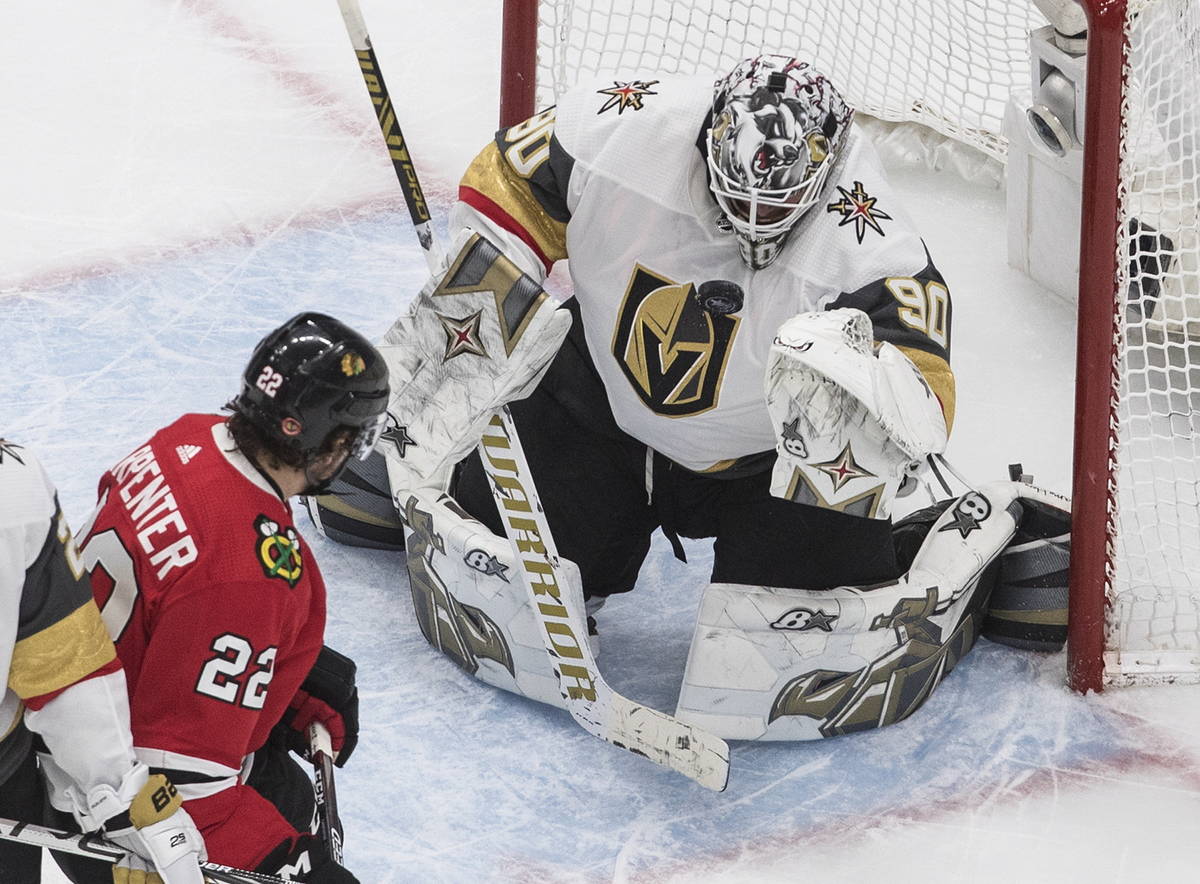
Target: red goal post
{"points": [[1092, 500], [1135, 564]]}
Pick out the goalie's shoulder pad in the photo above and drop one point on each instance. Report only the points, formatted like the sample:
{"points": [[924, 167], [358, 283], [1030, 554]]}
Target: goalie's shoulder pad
{"points": [[478, 336]]}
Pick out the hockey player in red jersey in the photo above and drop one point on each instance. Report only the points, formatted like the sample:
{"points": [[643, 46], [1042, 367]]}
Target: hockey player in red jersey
{"points": [[64, 684], [216, 604]]}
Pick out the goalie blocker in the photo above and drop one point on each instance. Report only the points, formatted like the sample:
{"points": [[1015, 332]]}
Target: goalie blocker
{"points": [[479, 335]]}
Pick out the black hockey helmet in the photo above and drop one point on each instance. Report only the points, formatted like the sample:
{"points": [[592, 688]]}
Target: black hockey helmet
{"points": [[311, 376]]}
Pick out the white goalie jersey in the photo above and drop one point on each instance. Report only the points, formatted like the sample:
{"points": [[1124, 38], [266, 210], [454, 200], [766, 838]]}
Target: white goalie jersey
{"points": [[615, 179]]}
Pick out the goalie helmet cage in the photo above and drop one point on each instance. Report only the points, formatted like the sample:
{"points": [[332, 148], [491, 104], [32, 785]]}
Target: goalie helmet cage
{"points": [[1135, 564]]}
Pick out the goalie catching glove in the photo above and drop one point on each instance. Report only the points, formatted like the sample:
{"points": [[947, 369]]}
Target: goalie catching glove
{"points": [[853, 417], [480, 335]]}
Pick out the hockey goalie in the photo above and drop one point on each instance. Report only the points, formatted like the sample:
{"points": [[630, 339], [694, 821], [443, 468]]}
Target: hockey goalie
{"points": [[758, 352]]}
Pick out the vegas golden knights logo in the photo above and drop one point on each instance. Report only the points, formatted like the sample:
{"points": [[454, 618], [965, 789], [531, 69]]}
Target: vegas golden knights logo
{"points": [[672, 351]]}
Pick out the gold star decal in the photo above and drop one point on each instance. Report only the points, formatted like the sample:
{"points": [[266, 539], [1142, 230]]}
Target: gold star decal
{"points": [[843, 469], [462, 335], [858, 207], [623, 95]]}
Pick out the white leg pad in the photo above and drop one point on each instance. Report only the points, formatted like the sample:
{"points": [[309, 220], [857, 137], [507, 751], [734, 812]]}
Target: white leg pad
{"points": [[470, 601], [786, 664]]}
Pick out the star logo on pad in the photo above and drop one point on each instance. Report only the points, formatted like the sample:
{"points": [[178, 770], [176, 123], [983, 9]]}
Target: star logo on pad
{"points": [[843, 469], [462, 335], [399, 437]]}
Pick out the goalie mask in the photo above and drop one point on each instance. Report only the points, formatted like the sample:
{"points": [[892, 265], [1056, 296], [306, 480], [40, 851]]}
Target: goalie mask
{"points": [[778, 127]]}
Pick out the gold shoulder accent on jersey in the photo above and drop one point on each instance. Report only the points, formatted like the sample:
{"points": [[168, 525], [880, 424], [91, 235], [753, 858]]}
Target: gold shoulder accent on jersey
{"points": [[61, 654], [939, 376], [491, 176]]}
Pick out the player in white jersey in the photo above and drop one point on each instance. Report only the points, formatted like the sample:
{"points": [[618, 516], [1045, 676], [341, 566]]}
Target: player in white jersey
{"points": [[64, 684], [759, 354]]}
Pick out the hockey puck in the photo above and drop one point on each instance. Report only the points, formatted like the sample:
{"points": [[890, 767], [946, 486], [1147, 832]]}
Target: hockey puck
{"points": [[720, 296]]}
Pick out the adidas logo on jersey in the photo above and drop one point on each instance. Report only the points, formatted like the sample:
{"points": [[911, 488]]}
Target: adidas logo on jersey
{"points": [[186, 452]]}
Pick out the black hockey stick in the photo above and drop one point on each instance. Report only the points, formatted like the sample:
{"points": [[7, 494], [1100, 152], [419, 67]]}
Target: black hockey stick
{"points": [[406, 172], [329, 824], [98, 848], [595, 706]]}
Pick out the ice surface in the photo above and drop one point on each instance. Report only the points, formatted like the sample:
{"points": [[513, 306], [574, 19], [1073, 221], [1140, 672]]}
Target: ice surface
{"points": [[180, 177]]}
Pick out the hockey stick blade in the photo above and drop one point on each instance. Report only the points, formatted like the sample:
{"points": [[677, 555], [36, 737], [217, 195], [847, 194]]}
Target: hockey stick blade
{"points": [[98, 848], [663, 739], [596, 707]]}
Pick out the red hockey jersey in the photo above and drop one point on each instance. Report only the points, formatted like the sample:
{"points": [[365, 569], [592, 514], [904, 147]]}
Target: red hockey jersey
{"points": [[218, 613]]}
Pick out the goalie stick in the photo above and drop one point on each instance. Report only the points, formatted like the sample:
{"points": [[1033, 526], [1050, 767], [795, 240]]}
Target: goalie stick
{"points": [[406, 172], [595, 706], [98, 848], [329, 824]]}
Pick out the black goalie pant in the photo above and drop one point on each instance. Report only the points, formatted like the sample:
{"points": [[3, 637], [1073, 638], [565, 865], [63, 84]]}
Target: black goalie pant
{"points": [[592, 480]]}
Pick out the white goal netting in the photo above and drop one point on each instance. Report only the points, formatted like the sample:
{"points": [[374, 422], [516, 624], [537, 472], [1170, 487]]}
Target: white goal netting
{"points": [[947, 64], [1153, 630]]}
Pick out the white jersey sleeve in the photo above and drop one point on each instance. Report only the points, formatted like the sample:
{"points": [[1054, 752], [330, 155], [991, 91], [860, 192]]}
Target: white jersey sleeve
{"points": [[56, 658]]}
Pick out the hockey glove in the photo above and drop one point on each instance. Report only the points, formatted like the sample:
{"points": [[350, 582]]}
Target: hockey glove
{"points": [[328, 695], [307, 859], [479, 335], [145, 816]]}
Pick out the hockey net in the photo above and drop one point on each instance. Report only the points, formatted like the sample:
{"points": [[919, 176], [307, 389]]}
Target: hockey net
{"points": [[1148, 439], [950, 66]]}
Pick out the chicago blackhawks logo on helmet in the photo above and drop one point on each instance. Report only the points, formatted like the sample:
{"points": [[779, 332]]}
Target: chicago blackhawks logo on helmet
{"points": [[352, 365], [778, 128], [278, 549]]}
